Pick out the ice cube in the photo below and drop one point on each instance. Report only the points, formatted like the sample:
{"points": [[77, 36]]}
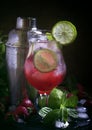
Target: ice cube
{"points": [[82, 101], [81, 109], [60, 124], [83, 115]]}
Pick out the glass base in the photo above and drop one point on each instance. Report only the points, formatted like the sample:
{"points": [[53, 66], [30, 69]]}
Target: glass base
{"points": [[41, 100]]}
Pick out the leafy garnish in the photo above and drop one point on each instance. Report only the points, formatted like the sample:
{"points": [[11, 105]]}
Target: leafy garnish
{"points": [[51, 117], [70, 101], [44, 111], [72, 112], [63, 113], [62, 110], [55, 97]]}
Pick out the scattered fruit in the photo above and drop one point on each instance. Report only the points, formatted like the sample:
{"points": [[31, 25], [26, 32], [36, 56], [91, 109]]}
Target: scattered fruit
{"points": [[21, 111], [26, 102]]}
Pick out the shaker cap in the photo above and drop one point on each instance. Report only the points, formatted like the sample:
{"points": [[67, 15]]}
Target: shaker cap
{"points": [[22, 23], [33, 24]]}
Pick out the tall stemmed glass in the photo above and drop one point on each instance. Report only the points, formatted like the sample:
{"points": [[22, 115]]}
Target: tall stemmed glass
{"points": [[44, 66]]}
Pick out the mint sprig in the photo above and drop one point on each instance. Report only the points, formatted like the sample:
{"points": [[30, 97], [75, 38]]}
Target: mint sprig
{"points": [[49, 115], [72, 112], [44, 111], [66, 109], [70, 101]]}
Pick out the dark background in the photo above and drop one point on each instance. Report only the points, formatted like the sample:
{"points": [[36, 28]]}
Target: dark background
{"points": [[77, 55]]}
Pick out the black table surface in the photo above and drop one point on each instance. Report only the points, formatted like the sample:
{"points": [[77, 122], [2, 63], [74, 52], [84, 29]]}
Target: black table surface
{"points": [[40, 127], [34, 123]]}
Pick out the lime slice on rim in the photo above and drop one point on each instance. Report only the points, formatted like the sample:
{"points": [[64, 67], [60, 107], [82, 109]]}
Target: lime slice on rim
{"points": [[45, 60], [64, 32]]}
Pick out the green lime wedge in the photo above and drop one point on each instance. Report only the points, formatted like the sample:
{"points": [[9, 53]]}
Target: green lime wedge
{"points": [[45, 60], [64, 32]]}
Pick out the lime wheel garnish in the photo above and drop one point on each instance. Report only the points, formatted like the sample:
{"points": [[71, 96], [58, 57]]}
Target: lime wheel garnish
{"points": [[64, 32], [45, 60]]}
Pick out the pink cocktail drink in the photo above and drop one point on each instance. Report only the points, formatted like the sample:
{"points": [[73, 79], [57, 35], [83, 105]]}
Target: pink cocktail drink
{"points": [[50, 68]]}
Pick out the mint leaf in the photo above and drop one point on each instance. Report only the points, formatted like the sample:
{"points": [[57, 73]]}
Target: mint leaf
{"points": [[44, 111], [72, 112], [71, 101], [54, 99], [63, 113], [51, 117]]}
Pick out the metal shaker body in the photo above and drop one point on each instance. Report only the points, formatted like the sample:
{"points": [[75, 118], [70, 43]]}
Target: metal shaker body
{"points": [[16, 52]]}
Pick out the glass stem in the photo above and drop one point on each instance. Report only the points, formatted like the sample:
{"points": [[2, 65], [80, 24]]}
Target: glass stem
{"points": [[41, 100], [46, 96]]}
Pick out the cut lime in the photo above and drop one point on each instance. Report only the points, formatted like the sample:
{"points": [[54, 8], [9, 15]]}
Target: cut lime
{"points": [[45, 60], [64, 32]]}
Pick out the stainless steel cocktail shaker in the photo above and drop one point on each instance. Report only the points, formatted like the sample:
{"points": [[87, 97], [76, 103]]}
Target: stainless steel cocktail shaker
{"points": [[16, 52]]}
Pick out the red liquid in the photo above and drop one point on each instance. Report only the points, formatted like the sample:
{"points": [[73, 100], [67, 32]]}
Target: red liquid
{"points": [[44, 82]]}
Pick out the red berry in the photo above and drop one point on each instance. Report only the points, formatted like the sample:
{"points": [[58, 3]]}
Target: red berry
{"points": [[26, 103], [21, 110]]}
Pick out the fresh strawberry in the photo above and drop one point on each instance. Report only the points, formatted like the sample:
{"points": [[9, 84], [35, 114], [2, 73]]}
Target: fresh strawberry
{"points": [[21, 110], [26, 102]]}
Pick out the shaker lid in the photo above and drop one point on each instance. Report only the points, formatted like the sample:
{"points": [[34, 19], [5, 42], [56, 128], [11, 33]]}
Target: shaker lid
{"points": [[22, 23]]}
